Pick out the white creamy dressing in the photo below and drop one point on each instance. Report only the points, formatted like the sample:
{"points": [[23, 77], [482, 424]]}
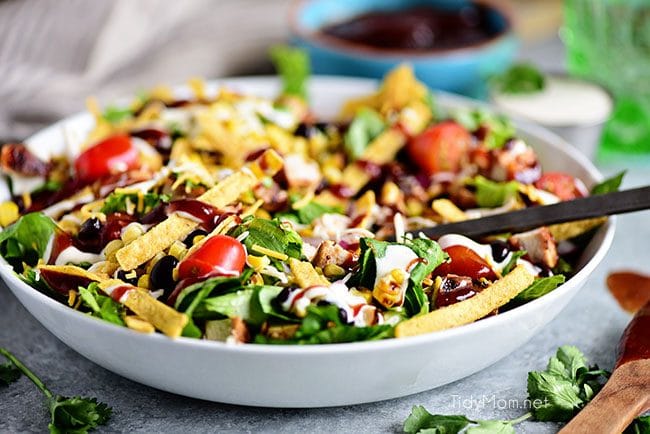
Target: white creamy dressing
{"points": [[337, 294], [484, 251], [72, 255], [109, 291], [144, 147], [396, 257], [5, 193], [25, 184], [181, 118], [562, 102], [66, 205]]}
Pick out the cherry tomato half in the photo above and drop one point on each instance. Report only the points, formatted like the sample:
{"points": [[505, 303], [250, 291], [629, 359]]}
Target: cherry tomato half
{"points": [[113, 155], [465, 262], [560, 184], [219, 254], [440, 148]]}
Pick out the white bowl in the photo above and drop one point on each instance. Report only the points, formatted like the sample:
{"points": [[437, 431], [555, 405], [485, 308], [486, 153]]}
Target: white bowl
{"points": [[314, 376]]}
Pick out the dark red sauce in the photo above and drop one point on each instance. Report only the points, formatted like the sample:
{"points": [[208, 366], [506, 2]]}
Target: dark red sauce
{"points": [[420, 28], [62, 282], [207, 214], [115, 222], [120, 291], [455, 289], [342, 191], [631, 290], [635, 343], [61, 242], [373, 170]]}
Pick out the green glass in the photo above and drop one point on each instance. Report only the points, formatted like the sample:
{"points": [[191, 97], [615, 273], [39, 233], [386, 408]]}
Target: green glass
{"points": [[608, 41]]}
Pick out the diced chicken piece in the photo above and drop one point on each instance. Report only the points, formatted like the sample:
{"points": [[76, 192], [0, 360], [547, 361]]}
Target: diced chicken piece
{"points": [[239, 333], [539, 244], [285, 331], [16, 158], [516, 160], [300, 172], [331, 253]]}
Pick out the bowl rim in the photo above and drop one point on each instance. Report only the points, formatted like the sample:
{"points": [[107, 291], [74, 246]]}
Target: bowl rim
{"points": [[356, 49], [548, 137]]}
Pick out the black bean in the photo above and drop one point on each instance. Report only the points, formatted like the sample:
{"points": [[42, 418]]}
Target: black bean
{"points": [[90, 229], [189, 240], [162, 274], [343, 316], [500, 250], [283, 295], [122, 275]]}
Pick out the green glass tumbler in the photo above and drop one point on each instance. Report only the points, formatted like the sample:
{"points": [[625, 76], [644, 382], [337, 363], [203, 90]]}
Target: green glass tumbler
{"points": [[608, 41]]}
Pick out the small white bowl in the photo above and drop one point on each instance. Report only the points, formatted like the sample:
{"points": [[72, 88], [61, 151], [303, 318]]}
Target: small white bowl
{"points": [[325, 375]]}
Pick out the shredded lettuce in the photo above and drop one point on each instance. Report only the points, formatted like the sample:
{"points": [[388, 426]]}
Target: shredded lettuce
{"points": [[119, 202], [492, 194], [26, 240]]}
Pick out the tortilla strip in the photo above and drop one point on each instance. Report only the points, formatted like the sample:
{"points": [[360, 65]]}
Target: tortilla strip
{"points": [[448, 210], [568, 230], [176, 227], [305, 275], [161, 316], [470, 310], [138, 324], [381, 150]]}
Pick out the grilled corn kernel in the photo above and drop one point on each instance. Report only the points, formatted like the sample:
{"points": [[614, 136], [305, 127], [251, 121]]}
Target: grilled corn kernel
{"points": [[333, 270], [390, 194], [143, 281], [178, 250], [414, 207], [389, 291], [132, 232], [8, 213], [112, 248], [257, 279]]}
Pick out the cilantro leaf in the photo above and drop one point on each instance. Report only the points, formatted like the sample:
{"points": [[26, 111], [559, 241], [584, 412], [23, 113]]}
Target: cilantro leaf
{"points": [[100, 305], [366, 125], [8, 374], [512, 263], [420, 420], [116, 115], [640, 425], [492, 194], [293, 66], [270, 234], [553, 398], [26, 240], [519, 79], [131, 203], [491, 427], [540, 287], [567, 361], [76, 414], [609, 185]]}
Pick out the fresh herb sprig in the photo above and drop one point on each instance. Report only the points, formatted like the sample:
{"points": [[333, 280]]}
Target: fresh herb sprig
{"points": [[556, 394], [68, 415]]}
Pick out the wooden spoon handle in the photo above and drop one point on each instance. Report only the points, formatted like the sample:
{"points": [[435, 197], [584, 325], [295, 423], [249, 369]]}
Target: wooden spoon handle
{"points": [[625, 396]]}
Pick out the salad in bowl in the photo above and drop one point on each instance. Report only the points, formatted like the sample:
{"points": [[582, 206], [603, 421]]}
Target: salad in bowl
{"points": [[236, 218]]}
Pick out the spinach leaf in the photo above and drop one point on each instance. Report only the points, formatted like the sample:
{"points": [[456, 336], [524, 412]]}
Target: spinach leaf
{"points": [[322, 325], [540, 287], [609, 185], [270, 234], [26, 240], [519, 79], [366, 125], [491, 194], [101, 306], [119, 202], [293, 66]]}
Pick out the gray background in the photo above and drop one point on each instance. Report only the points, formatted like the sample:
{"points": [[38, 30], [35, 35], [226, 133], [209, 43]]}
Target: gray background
{"points": [[592, 321]]}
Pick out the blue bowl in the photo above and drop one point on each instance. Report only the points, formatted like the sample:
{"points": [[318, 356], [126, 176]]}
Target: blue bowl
{"points": [[462, 70]]}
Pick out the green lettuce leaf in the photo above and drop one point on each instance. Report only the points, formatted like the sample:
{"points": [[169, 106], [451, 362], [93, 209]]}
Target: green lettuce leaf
{"points": [[512, 263], [540, 287], [498, 128], [101, 306], [26, 240], [118, 202], [492, 194], [293, 66], [609, 185], [115, 114], [366, 125], [270, 234], [308, 213]]}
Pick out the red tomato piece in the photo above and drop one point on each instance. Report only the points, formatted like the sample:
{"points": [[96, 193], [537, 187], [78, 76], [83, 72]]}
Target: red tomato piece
{"points": [[113, 155], [440, 148], [219, 255], [560, 184], [465, 262]]}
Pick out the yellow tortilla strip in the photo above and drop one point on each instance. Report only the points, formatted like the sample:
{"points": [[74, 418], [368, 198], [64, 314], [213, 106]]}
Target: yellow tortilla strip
{"points": [[305, 275], [138, 324], [176, 227], [470, 310], [448, 210], [566, 231], [380, 151], [161, 316]]}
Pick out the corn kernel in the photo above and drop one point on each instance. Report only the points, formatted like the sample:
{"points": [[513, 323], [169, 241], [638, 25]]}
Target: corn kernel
{"points": [[257, 263], [8, 213], [397, 275], [257, 279], [27, 200], [143, 281], [414, 207], [132, 232], [178, 250], [390, 194], [363, 293], [112, 248]]}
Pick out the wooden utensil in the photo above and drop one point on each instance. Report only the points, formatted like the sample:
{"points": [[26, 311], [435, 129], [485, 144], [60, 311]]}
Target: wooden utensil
{"points": [[518, 221], [627, 393]]}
